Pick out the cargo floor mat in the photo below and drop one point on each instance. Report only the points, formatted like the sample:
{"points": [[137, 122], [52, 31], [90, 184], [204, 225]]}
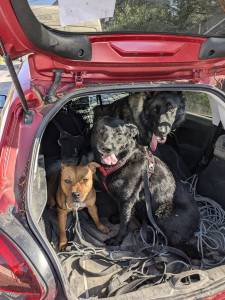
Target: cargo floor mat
{"points": [[142, 260]]}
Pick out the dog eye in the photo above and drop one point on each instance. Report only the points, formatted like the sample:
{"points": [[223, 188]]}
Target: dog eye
{"points": [[67, 181], [157, 109], [84, 180]]}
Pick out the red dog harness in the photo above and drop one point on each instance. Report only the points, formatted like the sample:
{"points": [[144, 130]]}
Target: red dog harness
{"points": [[107, 170]]}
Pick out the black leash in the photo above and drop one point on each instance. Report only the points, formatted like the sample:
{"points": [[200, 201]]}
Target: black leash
{"points": [[149, 207], [151, 219]]}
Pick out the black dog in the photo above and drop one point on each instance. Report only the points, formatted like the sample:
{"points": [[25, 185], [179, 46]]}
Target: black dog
{"points": [[123, 164], [155, 114]]}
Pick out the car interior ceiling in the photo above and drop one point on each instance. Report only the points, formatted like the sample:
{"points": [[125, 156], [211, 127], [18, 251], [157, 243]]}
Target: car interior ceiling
{"points": [[195, 151]]}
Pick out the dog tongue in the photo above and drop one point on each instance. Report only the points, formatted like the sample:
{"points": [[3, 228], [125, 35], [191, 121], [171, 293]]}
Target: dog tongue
{"points": [[109, 159], [153, 143]]}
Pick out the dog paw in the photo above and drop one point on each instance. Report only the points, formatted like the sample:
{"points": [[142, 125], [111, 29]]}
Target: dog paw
{"points": [[62, 246], [103, 228], [113, 242]]}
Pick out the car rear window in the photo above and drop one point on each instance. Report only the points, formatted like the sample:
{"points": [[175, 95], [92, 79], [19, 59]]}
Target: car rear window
{"points": [[189, 17], [198, 104]]}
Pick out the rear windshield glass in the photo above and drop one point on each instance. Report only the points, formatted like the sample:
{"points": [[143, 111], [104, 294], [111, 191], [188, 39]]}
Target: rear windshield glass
{"points": [[189, 17]]}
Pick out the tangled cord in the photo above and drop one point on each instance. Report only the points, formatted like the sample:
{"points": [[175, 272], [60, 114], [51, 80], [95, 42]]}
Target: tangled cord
{"points": [[211, 232], [210, 237], [80, 250]]}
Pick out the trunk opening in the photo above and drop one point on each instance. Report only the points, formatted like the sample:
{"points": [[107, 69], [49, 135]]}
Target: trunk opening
{"points": [[188, 151]]}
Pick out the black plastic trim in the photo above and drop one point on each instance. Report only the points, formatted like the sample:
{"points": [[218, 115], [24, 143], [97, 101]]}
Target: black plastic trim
{"points": [[212, 48], [70, 46]]}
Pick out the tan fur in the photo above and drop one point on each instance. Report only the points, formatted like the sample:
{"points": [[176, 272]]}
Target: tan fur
{"points": [[136, 102], [76, 176]]}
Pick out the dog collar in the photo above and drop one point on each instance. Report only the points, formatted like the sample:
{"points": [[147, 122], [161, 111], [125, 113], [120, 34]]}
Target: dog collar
{"points": [[151, 163], [108, 170]]}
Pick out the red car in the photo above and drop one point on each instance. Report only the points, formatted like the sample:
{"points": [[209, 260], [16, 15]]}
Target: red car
{"points": [[142, 46]]}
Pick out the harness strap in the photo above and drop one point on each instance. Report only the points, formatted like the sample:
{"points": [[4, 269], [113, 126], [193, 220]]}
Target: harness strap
{"points": [[108, 170]]}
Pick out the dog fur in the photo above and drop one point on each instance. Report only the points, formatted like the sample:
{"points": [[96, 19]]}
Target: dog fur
{"points": [[74, 186], [155, 114], [174, 209]]}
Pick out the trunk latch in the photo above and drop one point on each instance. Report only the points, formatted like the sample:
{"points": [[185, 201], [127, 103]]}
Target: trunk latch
{"points": [[79, 80]]}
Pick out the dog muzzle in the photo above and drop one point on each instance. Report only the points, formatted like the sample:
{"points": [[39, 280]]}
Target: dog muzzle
{"points": [[76, 205]]}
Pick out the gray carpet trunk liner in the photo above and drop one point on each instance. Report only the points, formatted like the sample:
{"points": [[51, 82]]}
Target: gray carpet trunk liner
{"points": [[211, 242]]}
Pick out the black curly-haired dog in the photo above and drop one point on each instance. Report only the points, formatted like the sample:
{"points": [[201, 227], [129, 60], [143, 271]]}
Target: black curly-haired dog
{"points": [[155, 114], [174, 209]]}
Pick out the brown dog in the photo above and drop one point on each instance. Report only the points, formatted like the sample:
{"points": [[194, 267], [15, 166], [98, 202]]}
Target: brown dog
{"points": [[71, 187]]}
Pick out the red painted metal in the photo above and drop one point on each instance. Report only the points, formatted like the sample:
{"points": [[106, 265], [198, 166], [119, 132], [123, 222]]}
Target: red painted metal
{"points": [[109, 65], [16, 140], [147, 48], [219, 296], [118, 57]]}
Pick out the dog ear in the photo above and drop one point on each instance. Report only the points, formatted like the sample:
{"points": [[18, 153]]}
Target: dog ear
{"points": [[63, 166], [149, 94], [93, 166], [133, 129]]}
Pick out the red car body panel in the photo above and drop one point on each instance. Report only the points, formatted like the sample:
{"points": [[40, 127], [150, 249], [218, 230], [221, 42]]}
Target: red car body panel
{"points": [[118, 57], [112, 62], [16, 141]]}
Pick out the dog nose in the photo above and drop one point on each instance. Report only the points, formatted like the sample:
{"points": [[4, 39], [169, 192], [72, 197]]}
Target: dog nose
{"points": [[76, 194], [162, 129]]}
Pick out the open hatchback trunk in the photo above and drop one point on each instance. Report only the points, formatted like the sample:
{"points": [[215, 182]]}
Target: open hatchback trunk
{"points": [[70, 75], [142, 268]]}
